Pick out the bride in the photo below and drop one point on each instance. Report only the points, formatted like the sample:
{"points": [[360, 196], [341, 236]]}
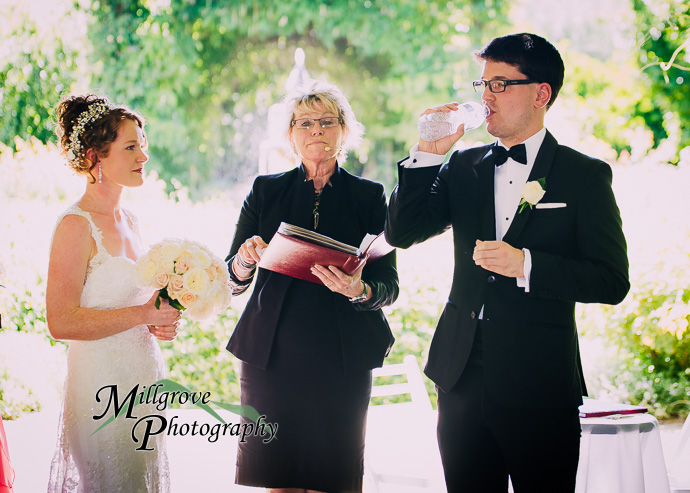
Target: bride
{"points": [[93, 301]]}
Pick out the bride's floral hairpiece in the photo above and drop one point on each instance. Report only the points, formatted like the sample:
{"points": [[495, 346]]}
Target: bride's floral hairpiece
{"points": [[95, 111]]}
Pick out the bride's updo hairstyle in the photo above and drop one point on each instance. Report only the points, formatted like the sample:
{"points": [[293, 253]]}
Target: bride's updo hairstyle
{"points": [[89, 122]]}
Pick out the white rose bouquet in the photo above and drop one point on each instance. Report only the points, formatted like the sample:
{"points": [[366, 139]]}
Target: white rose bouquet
{"points": [[188, 275]]}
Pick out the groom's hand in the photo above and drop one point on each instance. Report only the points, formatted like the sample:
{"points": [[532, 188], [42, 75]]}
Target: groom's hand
{"points": [[442, 146], [499, 257]]}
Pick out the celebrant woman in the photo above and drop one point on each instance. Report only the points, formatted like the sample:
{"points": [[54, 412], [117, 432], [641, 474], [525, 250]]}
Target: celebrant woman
{"points": [[95, 301], [307, 348]]}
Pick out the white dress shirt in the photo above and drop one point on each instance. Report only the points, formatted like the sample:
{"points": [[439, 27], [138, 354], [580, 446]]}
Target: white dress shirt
{"points": [[509, 179]]}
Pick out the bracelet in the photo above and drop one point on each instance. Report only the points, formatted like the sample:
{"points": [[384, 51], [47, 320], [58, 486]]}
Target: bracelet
{"points": [[363, 296], [244, 264]]}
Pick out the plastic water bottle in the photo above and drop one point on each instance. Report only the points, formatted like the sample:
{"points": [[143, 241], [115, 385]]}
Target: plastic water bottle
{"points": [[435, 126]]}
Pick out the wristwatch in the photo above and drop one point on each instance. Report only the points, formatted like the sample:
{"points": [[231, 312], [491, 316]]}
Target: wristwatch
{"points": [[361, 297]]}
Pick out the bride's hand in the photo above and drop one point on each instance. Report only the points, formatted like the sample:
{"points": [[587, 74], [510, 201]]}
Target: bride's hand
{"points": [[165, 332], [164, 315]]}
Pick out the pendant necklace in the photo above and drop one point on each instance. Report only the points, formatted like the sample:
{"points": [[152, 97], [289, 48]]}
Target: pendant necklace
{"points": [[315, 212]]}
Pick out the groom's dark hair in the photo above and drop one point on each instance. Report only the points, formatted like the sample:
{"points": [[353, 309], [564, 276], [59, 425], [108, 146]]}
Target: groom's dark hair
{"points": [[534, 56]]}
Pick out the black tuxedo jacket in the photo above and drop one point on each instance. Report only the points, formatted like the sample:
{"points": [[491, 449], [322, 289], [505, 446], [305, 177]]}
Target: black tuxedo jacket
{"points": [[530, 346], [350, 208]]}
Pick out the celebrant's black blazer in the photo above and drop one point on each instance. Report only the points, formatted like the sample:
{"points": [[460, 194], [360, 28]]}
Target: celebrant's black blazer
{"points": [[351, 207], [579, 254]]}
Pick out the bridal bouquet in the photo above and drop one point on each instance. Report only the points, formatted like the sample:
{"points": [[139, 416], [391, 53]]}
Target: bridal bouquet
{"points": [[188, 275]]}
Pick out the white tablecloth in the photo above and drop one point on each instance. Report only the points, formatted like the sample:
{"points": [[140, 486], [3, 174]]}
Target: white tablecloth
{"points": [[621, 456]]}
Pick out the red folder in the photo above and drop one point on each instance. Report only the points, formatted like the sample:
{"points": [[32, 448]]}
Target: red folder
{"points": [[293, 251], [593, 408]]}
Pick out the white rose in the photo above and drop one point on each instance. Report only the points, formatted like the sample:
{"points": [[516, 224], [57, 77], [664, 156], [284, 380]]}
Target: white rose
{"points": [[201, 310], [160, 280], [222, 299], [532, 192], [176, 283], [222, 272], [183, 264], [170, 251], [166, 265], [200, 259], [196, 281], [187, 299], [154, 254], [146, 268]]}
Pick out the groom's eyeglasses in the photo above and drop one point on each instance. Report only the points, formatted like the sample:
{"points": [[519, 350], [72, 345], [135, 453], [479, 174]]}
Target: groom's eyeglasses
{"points": [[499, 85]]}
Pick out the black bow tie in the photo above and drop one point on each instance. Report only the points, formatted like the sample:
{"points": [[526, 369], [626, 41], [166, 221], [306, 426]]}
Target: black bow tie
{"points": [[501, 154]]}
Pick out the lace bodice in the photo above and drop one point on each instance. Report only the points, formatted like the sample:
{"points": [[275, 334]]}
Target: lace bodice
{"points": [[107, 461]]}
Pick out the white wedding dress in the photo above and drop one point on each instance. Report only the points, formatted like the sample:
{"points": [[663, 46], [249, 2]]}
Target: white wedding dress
{"points": [[109, 461]]}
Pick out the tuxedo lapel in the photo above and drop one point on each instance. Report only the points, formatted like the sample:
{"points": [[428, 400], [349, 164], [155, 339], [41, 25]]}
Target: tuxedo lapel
{"points": [[487, 207], [541, 169]]}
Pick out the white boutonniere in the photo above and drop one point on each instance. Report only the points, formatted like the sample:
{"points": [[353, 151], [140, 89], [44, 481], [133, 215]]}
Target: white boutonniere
{"points": [[532, 193]]}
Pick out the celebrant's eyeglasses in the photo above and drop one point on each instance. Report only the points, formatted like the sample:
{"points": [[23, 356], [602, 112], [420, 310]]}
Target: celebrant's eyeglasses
{"points": [[308, 123], [499, 85]]}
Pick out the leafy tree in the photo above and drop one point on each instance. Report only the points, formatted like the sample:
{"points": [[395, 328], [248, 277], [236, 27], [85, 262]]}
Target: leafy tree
{"points": [[38, 62], [664, 41], [205, 73]]}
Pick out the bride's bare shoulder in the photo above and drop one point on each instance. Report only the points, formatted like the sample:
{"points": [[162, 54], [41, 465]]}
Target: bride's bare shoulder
{"points": [[73, 234]]}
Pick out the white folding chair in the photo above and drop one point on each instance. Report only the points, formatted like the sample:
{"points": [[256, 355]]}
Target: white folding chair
{"points": [[679, 462], [401, 453]]}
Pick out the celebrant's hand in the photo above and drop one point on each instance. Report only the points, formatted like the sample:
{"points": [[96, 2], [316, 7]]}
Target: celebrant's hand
{"points": [[247, 257], [339, 282], [165, 332], [251, 250], [163, 315]]}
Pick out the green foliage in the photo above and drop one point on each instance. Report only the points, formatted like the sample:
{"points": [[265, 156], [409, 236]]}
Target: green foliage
{"points": [[36, 66], [664, 41], [205, 73], [15, 397], [413, 328], [607, 102], [198, 359], [651, 334]]}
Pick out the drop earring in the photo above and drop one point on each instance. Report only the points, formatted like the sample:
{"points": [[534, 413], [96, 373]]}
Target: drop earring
{"points": [[100, 174]]}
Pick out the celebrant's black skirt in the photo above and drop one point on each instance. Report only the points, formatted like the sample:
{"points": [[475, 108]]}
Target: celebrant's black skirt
{"points": [[320, 412]]}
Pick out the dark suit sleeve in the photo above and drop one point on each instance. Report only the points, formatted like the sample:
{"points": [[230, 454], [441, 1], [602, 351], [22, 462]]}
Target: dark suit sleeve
{"points": [[247, 226], [382, 274], [418, 207], [599, 271]]}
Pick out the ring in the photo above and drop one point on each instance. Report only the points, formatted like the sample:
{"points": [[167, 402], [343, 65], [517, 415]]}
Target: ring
{"points": [[329, 284]]}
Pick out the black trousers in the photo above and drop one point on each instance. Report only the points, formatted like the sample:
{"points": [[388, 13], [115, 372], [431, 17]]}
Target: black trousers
{"points": [[483, 443]]}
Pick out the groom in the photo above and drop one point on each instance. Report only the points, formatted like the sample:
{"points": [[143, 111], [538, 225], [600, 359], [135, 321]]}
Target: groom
{"points": [[505, 352]]}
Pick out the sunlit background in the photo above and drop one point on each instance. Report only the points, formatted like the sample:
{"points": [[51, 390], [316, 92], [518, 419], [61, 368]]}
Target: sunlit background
{"points": [[206, 76]]}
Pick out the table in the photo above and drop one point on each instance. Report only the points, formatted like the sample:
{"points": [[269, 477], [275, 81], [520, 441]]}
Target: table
{"points": [[621, 455]]}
